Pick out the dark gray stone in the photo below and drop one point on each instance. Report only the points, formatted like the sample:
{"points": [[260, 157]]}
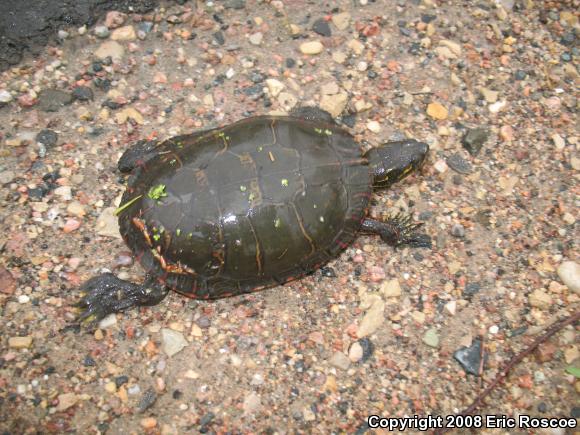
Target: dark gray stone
{"points": [[322, 27], [51, 100], [474, 139], [470, 357], [47, 137]]}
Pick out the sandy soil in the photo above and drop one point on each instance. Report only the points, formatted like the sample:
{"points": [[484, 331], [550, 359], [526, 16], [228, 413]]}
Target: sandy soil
{"points": [[491, 86]]}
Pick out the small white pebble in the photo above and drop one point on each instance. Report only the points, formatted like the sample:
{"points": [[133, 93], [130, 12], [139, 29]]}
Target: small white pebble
{"points": [[23, 299], [374, 126], [362, 66], [110, 320], [440, 166], [494, 329]]}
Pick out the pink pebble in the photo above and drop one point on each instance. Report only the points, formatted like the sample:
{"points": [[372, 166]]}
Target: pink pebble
{"points": [[71, 225]]}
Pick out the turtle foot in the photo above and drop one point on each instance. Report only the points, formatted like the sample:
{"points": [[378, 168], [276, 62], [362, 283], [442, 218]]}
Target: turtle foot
{"points": [[106, 294], [404, 232], [398, 230]]}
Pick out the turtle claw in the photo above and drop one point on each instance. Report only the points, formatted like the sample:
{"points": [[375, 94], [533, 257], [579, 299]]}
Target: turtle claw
{"points": [[405, 232], [398, 230], [106, 294]]}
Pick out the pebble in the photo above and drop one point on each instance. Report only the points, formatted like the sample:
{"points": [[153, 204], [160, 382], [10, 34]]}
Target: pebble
{"points": [[115, 19], [497, 107], [458, 230], [330, 88], [110, 49], [252, 403], [341, 21], [431, 338], [75, 208], [338, 57], [559, 141], [372, 320], [459, 164], [148, 423], [102, 32], [71, 225], [540, 299], [20, 342], [355, 353], [444, 52], [311, 47], [334, 104], [362, 106], [569, 273], [287, 100], [219, 37], [418, 316], [440, 166], [470, 357], [66, 401], [52, 100], [130, 113], [126, 33], [471, 289], [571, 354], [82, 93], [506, 133], [5, 96], [256, 38], [356, 46], [452, 45], [173, 341], [437, 111], [474, 139], [48, 138], [6, 176], [108, 224], [147, 400], [489, 95], [108, 321], [321, 27], [65, 192], [391, 288], [340, 361], [235, 4], [451, 307], [275, 87], [374, 126]]}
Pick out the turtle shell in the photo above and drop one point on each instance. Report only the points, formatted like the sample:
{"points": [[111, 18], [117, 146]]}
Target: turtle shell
{"points": [[254, 204]]}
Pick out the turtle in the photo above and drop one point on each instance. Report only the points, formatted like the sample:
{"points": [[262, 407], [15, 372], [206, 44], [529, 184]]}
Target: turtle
{"points": [[251, 205]]}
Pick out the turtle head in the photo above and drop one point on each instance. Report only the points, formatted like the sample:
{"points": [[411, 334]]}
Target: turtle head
{"points": [[393, 161]]}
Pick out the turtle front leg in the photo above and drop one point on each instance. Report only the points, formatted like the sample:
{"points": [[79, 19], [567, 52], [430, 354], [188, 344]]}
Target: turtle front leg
{"points": [[398, 230], [137, 155], [106, 294]]}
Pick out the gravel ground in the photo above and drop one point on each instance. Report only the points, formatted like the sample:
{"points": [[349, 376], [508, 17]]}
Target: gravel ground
{"points": [[491, 86]]}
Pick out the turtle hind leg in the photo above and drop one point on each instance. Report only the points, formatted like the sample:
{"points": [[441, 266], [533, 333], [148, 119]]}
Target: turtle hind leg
{"points": [[106, 294], [398, 230]]}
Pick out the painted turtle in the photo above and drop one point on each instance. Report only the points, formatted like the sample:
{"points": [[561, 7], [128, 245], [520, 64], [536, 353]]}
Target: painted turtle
{"points": [[251, 205]]}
